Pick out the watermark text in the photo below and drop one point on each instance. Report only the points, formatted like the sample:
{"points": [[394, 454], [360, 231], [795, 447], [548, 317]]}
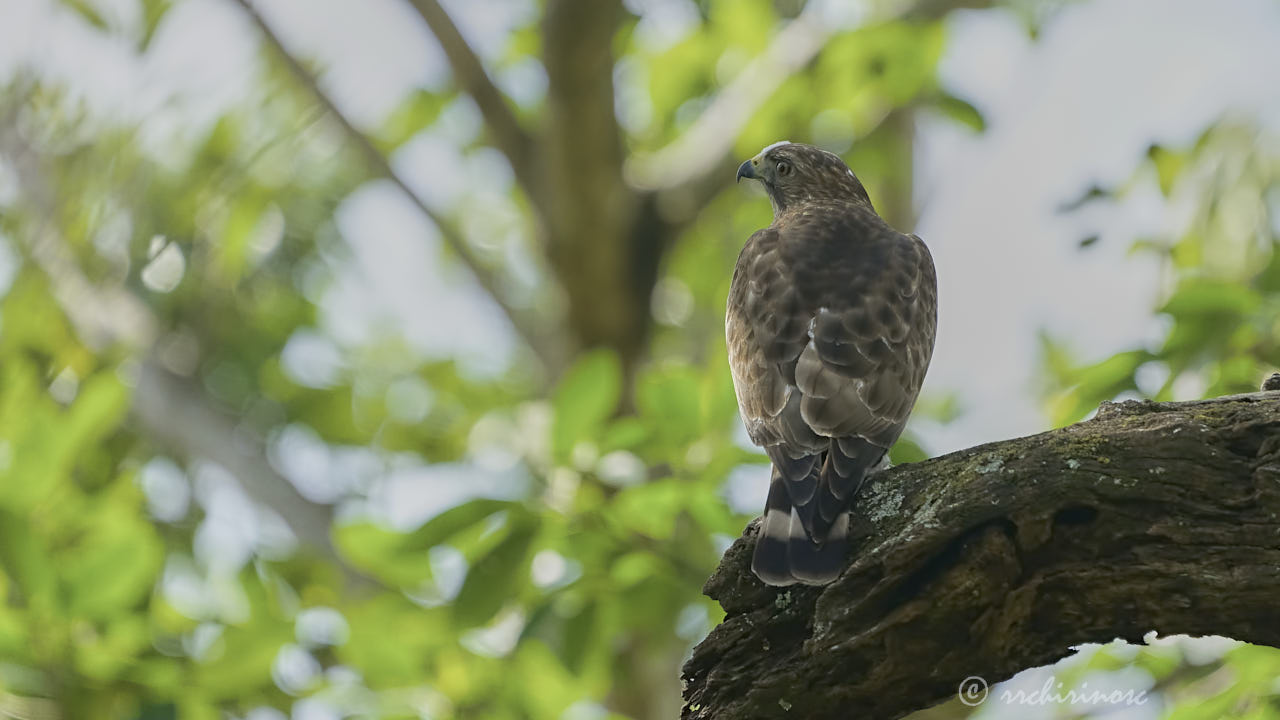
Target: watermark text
{"points": [[974, 691]]}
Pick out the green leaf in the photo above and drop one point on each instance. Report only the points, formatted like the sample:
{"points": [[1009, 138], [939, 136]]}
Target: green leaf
{"points": [[159, 711], [669, 400], [942, 406], [1095, 383], [496, 576], [454, 520], [114, 566], [379, 552], [580, 631], [624, 433], [1093, 193], [26, 560], [634, 567], [1204, 297], [237, 231], [651, 508], [547, 688], [100, 406], [87, 12], [586, 397], [1168, 164], [153, 11], [32, 318], [1268, 280], [418, 633], [961, 111], [907, 451], [109, 654], [241, 658], [1159, 661], [417, 112]]}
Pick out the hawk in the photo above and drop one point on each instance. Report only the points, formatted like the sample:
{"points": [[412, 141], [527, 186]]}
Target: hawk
{"points": [[830, 326]]}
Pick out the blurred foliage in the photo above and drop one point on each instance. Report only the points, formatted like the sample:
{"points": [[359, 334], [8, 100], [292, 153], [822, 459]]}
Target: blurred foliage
{"points": [[1220, 306], [1176, 678], [559, 574]]}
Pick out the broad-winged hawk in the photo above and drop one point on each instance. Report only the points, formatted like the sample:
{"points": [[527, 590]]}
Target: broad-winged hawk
{"points": [[830, 328]]}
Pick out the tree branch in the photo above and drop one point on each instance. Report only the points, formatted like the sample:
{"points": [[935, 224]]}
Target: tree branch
{"points": [[469, 73], [176, 414], [597, 238], [1152, 516], [584, 150], [544, 342]]}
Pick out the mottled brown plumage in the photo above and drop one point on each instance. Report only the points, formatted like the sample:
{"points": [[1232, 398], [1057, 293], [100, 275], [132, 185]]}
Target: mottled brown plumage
{"points": [[830, 328]]}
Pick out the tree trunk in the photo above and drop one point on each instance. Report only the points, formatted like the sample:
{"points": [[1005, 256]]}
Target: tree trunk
{"points": [[984, 562]]}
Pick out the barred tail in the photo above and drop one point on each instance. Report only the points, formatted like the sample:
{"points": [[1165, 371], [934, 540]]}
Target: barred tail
{"points": [[785, 555]]}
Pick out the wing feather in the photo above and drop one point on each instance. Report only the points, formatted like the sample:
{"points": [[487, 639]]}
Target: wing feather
{"points": [[830, 326]]}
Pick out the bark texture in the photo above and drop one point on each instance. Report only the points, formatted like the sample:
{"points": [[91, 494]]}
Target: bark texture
{"points": [[987, 561]]}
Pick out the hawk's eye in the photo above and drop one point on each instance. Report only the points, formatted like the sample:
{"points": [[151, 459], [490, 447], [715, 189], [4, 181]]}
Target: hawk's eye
{"points": [[784, 168]]}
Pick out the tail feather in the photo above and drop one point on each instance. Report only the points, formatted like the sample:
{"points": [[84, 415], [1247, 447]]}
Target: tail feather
{"points": [[845, 467], [770, 560], [797, 473], [804, 535], [785, 554], [818, 564]]}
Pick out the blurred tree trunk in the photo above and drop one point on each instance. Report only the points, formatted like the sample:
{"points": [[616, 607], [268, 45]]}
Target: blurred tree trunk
{"points": [[896, 138], [605, 241], [1153, 516]]}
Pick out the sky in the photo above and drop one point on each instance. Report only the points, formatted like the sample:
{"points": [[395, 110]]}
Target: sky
{"points": [[1077, 107]]}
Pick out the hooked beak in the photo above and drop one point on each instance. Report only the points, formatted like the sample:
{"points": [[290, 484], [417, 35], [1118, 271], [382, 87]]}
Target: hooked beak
{"points": [[747, 170]]}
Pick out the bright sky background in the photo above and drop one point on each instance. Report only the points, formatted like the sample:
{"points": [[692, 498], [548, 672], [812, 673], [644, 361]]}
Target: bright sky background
{"points": [[1080, 106]]}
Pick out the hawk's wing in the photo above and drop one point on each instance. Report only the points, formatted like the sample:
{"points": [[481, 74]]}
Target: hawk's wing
{"points": [[830, 329]]}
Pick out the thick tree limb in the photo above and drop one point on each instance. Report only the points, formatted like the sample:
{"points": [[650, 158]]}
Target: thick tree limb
{"points": [[541, 340], [599, 234], [584, 143], [1153, 516], [174, 412], [470, 75]]}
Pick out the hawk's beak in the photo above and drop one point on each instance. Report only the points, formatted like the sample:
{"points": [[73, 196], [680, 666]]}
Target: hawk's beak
{"points": [[746, 170]]}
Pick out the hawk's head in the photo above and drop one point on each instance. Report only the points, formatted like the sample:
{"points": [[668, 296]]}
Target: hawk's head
{"points": [[795, 175]]}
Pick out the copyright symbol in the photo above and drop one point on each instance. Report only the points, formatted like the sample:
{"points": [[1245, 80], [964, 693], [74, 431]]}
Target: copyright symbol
{"points": [[973, 690]]}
